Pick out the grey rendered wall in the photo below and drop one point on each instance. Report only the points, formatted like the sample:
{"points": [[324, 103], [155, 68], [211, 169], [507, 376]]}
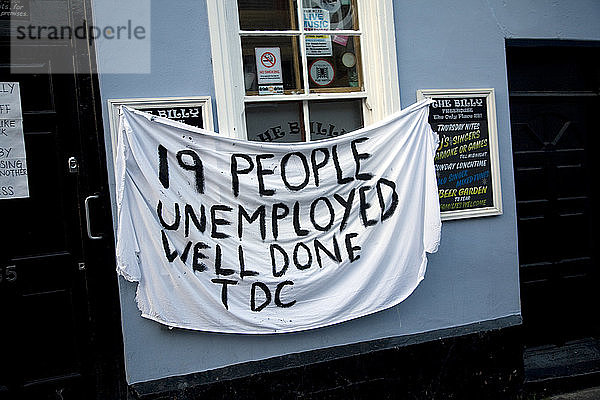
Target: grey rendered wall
{"points": [[473, 277]]}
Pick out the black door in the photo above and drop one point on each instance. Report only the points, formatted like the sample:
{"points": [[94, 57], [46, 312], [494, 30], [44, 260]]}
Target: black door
{"points": [[60, 331], [554, 108]]}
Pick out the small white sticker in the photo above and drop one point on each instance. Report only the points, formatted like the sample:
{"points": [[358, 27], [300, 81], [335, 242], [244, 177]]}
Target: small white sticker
{"points": [[268, 65], [322, 72], [332, 6], [318, 46]]}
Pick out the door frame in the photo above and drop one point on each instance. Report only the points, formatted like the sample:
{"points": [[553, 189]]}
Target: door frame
{"points": [[104, 367], [99, 254]]}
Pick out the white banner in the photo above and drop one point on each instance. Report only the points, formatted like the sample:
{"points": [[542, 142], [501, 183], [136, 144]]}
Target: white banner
{"points": [[236, 236]]}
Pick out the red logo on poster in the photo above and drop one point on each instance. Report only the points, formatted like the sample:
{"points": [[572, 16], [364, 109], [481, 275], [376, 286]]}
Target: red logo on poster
{"points": [[268, 59]]}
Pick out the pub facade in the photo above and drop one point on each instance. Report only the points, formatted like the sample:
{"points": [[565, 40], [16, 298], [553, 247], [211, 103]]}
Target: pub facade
{"points": [[513, 94]]}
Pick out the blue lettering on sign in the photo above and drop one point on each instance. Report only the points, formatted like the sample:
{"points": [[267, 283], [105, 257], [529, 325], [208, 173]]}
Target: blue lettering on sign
{"points": [[316, 25], [315, 21], [473, 178]]}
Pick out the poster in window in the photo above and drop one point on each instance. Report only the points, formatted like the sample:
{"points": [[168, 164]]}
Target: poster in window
{"points": [[268, 65], [316, 19], [466, 159]]}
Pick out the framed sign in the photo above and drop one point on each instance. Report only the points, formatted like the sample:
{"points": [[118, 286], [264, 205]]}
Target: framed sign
{"points": [[195, 111], [466, 161]]}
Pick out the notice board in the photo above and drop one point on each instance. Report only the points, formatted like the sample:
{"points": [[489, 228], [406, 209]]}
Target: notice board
{"points": [[466, 159]]}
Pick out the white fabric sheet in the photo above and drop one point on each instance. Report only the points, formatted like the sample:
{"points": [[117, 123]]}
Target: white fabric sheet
{"points": [[340, 229]]}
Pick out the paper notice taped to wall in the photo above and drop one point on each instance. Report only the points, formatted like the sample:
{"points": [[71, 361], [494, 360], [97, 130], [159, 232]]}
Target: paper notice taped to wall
{"points": [[13, 166]]}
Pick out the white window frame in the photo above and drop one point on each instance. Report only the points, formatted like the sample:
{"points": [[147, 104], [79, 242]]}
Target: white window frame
{"points": [[381, 93]]}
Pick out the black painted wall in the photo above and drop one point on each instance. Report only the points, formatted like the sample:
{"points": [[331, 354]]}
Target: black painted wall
{"points": [[486, 365]]}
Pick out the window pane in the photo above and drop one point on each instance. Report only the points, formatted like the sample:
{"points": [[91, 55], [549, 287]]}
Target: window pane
{"points": [[275, 122], [333, 118], [272, 65], [336, 14], [334, 63], [267, 14]]}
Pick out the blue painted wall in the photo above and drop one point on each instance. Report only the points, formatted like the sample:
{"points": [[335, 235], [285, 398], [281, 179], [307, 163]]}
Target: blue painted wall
{"points": [[473, 277]]}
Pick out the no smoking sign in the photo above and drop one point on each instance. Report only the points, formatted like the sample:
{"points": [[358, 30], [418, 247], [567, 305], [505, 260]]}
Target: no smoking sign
{"points": [[268, 59], [268, 65]]}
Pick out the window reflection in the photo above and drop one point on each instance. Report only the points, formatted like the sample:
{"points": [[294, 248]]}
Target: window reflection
{"points": [[334, 118], [334, 63], [275, 122], [267, 14], [341, 14]]}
